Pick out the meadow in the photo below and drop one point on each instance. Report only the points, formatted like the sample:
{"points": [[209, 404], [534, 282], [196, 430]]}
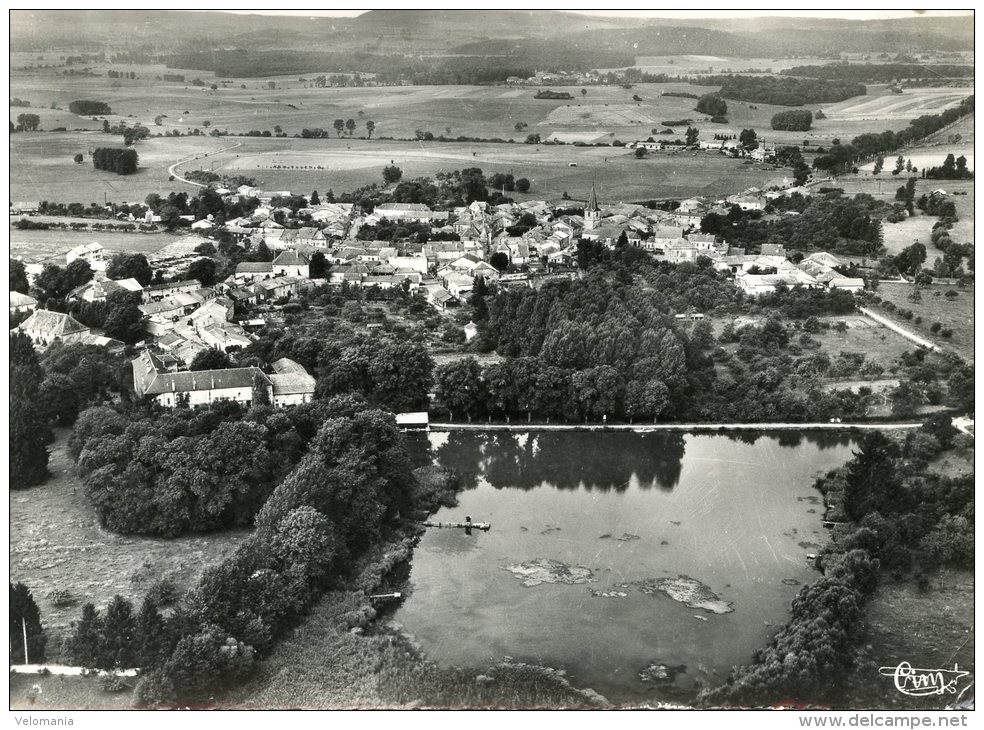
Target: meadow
{"points": [[56, 543], [42, 167], [956, 314], [43, 246]]}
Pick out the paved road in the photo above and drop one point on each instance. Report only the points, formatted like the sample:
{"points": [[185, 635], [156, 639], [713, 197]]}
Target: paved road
{"points": [[911, 336], [172, 170], [647, 427]]}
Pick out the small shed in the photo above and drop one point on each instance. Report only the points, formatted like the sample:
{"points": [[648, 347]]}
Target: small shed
{"points": [[416, 421]]}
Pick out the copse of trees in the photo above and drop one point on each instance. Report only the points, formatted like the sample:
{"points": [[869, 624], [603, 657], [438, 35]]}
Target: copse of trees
{"points": [[796, 120], [712, 105], [88, 108], [951, 169], [130, 266], [28, 122], [122, 162]]}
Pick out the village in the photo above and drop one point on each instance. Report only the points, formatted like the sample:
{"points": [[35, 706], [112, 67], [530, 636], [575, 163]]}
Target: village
{"points": [[182, 318]]}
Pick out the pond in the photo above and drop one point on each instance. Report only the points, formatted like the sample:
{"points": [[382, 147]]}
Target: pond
{"points": [[640, 563]]}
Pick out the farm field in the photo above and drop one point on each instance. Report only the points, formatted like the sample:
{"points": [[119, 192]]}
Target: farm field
{"points": [[41, 167], [956, 314], [56, 543], [43, 246], [604, 113]]}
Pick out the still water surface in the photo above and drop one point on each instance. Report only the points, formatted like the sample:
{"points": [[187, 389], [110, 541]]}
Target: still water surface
{"points": [[736, 513]]}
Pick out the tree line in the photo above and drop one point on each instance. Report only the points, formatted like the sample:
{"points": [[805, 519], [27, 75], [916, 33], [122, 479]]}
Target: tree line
{"points": [[879, 73]]}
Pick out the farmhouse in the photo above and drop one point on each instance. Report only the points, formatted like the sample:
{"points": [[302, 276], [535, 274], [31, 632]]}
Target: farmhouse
{"points": [[249, 271], [757, 284], [151, 379], [45, 327]]}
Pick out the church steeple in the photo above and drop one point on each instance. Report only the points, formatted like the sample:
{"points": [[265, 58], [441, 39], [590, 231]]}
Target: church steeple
{"points": [[592, 214]]}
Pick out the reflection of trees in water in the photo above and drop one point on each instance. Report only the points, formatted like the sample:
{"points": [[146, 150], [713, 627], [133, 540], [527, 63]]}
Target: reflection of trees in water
{"points": [[567, 460], [791, 439]]}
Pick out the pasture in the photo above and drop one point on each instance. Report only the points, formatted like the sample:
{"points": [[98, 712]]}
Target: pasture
{"points": [[934, 306], [41, 167], [56, 542]]}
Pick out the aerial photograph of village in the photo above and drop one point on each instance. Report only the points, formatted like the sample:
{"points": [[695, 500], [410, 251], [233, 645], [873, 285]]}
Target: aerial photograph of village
{"points": [[491, 359]]}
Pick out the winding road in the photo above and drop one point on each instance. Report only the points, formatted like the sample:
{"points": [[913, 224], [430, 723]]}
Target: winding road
{"points": [[172, 170]]}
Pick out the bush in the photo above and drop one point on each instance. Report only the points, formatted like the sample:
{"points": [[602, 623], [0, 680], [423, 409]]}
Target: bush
{"points": [[163, 592], [113, 684], [61, 598]]}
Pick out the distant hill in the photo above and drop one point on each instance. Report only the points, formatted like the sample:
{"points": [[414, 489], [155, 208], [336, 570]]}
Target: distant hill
{"points": [[541, 36]]}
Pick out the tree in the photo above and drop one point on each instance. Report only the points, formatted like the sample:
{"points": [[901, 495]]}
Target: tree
{"points": [[350, 126], [130, 265], [459, 387], [124, 320], [692, 134], [24, 615], [85, 644], [370, 128], [584, 92], [261, 391], [522, 185], [28, 122], [318, 267], [28, 430], [119, 633], [909, 259], [205, 248], [211, 359], [79, 158], [207, 662], [18, 276], [204, 270], [748, 138], [339, 125], [499, 260], [870, 481], [314, 200], [149, 638], [392, 174], [640, 152]]}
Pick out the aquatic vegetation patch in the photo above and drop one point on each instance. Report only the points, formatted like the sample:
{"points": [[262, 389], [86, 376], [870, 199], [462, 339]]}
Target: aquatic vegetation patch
{"points": [[544, 570], [688, 591]]}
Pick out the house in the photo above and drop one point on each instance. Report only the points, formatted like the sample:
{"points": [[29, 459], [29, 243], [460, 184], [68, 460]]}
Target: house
{"points": [[250, 271], [773, 249], [408, 212], [45, 327], [168, 310], [459, 285], [92, 253], [415, 421], [279, 287], [20, 303], [703, 242], [199, 387], [291, 263], [757, 284], [99, 291], [292, 385], [392, 281], [24, 206], [848, 284], [218, 310], [223, 336], [663, 236], [158, 292], [440, 298], [416, 263], [679, 253], [471, 331]]}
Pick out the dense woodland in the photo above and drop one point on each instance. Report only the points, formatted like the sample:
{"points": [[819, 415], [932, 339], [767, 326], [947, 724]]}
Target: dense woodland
{"points": [[782, 90]]}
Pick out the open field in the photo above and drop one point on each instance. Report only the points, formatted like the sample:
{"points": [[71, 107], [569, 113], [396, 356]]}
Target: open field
{"points": [[41, 167], [56, 543], [44, 171], [55, 692], [603, 113], [957, 314], [929, 630], [878, 344], [44, 246]]}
